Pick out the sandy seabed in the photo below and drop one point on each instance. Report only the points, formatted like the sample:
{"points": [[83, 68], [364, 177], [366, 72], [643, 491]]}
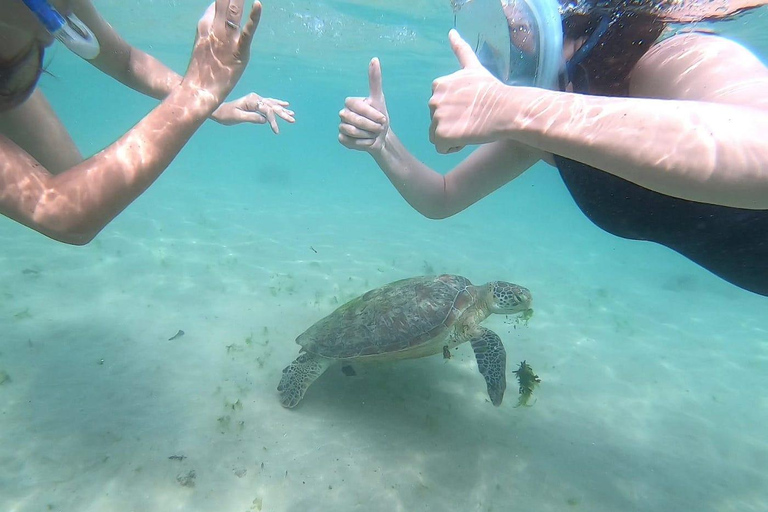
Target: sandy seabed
{"points": [[653, 371]]}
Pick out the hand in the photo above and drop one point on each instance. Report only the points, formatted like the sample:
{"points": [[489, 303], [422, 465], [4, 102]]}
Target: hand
{"points": [[365, 121], [221, 50], [464, 103], [254, 109]]}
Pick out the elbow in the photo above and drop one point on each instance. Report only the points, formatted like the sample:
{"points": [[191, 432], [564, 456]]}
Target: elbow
{"points": [[78, 239], [441, 205], [65, 213], [436, 214], [70, 237], [438, 211], [67, 229]]}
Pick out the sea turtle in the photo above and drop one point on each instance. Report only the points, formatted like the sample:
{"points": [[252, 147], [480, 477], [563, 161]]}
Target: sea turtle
{"points": [[410, 318]]}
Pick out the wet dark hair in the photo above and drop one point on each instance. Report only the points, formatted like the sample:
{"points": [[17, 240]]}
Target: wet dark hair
{"points": [[19, 76], [628, 37]]}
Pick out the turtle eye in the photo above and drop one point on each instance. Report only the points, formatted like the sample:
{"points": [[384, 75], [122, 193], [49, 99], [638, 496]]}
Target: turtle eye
{"points": [[516, 296], [510, 298], [523, 296]]}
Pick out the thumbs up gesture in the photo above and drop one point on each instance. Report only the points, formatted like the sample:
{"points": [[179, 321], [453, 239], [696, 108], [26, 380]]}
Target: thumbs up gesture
{"points": [[465, 106], [365, 121]]}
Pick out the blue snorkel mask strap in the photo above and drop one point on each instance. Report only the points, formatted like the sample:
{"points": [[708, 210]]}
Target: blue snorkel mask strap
{"points": [[72, 32], [573, 66]]}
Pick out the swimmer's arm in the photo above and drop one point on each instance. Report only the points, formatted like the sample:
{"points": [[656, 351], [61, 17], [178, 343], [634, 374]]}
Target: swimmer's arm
{"points": [[701, 138], [126, 64], [74, 206], [147, 75], [438, 196]]}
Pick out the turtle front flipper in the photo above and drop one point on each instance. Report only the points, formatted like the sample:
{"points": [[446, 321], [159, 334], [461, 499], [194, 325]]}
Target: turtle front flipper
{"points": [[298, 376], [492, 362]]}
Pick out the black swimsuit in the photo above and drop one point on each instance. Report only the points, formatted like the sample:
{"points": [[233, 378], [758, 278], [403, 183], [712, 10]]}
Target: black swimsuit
{"points": [[18, 77], [730, 242]]}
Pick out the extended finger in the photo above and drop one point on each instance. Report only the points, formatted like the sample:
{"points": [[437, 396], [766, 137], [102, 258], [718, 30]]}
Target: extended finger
{"points": [[272, 120], [363, 122], [463, 52], [220, 18], [279, 107], [234, 15], [374, 81], [205, 24], [273, 101], [286, 115], [245, 116], [246, 37], [235, 12]]}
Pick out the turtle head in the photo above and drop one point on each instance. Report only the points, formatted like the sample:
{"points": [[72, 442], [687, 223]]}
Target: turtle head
{"points": [[507, 298]]}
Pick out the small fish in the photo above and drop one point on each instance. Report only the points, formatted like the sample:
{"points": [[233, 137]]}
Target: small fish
{"points": [[313, 249], [177, 457], [177, 335]]}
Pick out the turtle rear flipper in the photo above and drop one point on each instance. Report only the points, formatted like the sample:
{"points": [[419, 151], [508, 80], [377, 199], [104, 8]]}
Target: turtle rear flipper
{"points": [[298, 376], [492, 362]]}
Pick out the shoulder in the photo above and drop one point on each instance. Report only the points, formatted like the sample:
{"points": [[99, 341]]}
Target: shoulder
{"points": [[700, 67], [86, 11], [81, 4]]}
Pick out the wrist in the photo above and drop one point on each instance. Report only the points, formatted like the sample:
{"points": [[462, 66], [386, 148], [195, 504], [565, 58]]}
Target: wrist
{"points": [[196, 100], [520, 106], [386, 143], [216, 114], [390, 151]]}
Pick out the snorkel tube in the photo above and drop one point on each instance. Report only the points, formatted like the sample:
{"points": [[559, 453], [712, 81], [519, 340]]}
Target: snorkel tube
{"points": [[72, 32]]}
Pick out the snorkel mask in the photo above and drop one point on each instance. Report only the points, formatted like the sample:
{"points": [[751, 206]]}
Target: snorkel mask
{"points": [[72, 32], [521, 41], [518, 41]]}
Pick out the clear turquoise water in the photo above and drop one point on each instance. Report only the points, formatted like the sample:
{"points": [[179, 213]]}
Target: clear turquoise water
{"points": [[653, 370]]}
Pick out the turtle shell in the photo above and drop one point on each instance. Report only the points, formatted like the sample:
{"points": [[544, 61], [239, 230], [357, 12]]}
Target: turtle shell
{"points": [[397, 317]]}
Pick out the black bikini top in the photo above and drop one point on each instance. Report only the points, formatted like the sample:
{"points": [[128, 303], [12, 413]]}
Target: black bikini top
{"points": [[19, 77]]}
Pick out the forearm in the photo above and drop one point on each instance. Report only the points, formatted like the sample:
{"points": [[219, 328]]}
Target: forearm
{"points": [[420, 186], [142, 72], [75, 205], [700, 151], [129, 65], [437, 196]]}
